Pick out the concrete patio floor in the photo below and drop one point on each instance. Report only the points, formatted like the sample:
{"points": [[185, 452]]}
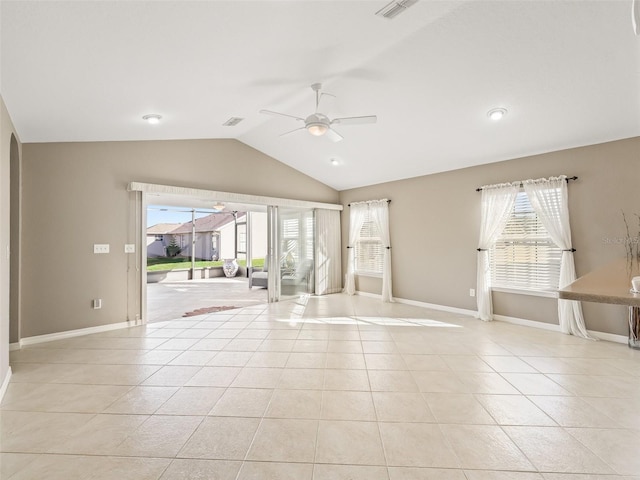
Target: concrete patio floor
{"points": [[172, 299]]}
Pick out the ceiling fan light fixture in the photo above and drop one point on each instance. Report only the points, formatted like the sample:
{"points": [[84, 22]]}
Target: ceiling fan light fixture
{"points": [[496, 113], [317, 124], [317, 129]]}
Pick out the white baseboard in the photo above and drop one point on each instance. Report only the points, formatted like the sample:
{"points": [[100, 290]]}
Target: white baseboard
{"points": [[527, 323], [5, 384], [434, 306], [370, 295], [415, 303], [610, 337], [50, 337], [14, 346]]}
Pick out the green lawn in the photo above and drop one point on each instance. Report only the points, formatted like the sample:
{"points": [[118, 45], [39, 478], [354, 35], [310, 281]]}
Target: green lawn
{"points": [[173, 263]]}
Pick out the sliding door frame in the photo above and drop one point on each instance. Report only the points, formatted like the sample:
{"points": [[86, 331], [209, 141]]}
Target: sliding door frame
{"points": [[149, 189]]}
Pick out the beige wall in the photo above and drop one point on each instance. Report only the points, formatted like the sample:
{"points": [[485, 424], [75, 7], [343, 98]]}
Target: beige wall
{"points": [[74, 195], [6, 131], [435, 222]]}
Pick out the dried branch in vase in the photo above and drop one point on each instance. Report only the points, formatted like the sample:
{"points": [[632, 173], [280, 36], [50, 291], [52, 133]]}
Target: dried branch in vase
{"points": [[631, 244]]}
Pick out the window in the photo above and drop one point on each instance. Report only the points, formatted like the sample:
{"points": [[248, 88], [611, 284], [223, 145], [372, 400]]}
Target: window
{"points": [[525, 257], [368, 249], [241, 237], [298, 237], [159, 238], [309, 236], [290, 241]]}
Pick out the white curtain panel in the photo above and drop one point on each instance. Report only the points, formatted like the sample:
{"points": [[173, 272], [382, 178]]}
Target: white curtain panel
{"points": [[379, 212], [496, 206], [328, 269], [357, 216], [549, 199]]}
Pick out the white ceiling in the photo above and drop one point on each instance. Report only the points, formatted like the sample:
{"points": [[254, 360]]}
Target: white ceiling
{"points": [[567, 71]]}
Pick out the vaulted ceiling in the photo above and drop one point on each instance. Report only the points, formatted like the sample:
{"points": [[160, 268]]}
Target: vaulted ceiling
{"points": [[566, 71]]}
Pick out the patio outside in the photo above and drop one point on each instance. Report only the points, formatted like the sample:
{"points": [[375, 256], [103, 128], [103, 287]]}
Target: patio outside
{"points": [[168, 300]]}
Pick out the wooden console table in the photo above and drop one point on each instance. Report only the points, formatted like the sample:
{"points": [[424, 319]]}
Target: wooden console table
{"points": [[610, 284]]}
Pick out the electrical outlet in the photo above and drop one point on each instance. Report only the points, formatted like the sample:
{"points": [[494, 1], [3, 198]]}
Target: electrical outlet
{"points": [[96, 303], [129, 248], [101, 248], [472, 292]]}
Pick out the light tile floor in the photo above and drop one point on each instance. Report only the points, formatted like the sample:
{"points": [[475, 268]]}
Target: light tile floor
{"points": [[325, 388]]}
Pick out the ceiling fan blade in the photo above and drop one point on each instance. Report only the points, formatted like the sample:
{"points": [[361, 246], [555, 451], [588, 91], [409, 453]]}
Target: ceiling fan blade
{"points": [[355, 120], [333, 135], [290, 131], [278, 114]]}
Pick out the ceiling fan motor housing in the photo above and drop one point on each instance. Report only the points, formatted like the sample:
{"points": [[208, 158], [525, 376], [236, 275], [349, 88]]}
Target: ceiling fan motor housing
{"points": [[317, 124]]}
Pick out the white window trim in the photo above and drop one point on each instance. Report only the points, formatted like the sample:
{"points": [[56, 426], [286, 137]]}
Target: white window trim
{"points": [[162, 195], [363, 273], [522, 291]]}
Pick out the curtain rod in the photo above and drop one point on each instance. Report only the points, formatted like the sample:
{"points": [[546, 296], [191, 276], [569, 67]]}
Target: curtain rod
{"points": [[348, 204], [479, 189]]}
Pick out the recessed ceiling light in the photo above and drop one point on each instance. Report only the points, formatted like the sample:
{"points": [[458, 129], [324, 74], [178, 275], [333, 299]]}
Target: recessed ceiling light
{"points": [[334, 161], [152, 118], [496, 113]]}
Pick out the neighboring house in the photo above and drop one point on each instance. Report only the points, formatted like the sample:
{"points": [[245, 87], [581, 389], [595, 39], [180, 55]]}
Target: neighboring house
{"points": [[158, 237], [215, 237]]}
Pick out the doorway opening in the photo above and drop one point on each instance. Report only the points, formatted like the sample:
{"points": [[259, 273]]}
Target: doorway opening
{"points": [[199, 260], [303, 277]]}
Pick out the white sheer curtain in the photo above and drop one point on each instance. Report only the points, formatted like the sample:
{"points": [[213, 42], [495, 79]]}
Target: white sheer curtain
{"points": [[549, 199], [379, 212], [328, 269], [376, 211], [357, 217], [496, 206]]}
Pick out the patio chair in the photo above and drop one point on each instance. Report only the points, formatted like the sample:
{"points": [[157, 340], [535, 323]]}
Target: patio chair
{"points": [[259, 278], [299, 280]]}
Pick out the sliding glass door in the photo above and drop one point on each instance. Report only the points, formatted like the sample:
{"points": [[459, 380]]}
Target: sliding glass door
{"points": [[290, 252]]}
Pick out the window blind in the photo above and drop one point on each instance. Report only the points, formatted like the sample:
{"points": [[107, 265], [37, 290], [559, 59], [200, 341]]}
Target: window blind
{"points": [[369, 249], [290, 237], [525, 257], [309, 236]]}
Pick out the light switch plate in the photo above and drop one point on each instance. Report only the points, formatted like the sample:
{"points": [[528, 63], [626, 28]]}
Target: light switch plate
{"points": [[101, 248], [129, 248]]}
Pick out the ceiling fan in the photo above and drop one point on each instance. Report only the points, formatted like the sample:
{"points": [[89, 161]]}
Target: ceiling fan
{"points": [[318, 123]]}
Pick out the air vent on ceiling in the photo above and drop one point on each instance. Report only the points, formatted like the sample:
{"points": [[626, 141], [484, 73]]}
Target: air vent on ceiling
{"points": [[232, 122], [394, 8]]}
